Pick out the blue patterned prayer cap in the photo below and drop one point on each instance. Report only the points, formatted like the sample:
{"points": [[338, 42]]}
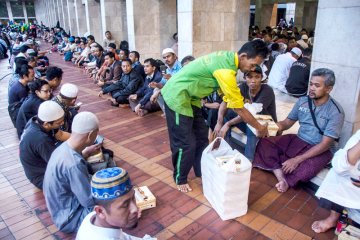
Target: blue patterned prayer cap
{"points": [[110, 183]]}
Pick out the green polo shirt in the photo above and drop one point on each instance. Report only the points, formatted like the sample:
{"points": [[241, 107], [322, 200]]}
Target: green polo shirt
{"points": [[200, 78]]}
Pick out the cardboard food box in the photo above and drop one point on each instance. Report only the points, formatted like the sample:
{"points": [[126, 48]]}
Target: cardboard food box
{"points": [[349, 233], [144, 198], [262, 119], [96, 158]]}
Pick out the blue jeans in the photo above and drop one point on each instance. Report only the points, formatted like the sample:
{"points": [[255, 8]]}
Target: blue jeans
{"points": [[251, 141]]}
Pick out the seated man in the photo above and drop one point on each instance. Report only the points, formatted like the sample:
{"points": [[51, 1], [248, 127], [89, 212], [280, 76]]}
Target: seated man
{"points": [[298, 158], [54, 77], [67, 180], [341, 187], [112, 72], [19, 91], [140, 101], [38, 141], [298, 81], [253, 92], [66, 99], [136, 65], [112, 212], [127, 85]]}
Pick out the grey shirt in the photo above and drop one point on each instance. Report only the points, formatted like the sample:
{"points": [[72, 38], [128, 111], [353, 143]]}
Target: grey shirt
{"points": [[329, 117], [67, 188]]}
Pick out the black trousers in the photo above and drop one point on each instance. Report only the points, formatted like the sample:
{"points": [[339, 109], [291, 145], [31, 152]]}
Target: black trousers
{"points": [[324, 203], [188, 139]]}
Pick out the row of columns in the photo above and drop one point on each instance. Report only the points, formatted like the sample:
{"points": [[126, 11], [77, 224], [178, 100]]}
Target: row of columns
{"points": [[266, 13], [148, 26], [10, 13]]}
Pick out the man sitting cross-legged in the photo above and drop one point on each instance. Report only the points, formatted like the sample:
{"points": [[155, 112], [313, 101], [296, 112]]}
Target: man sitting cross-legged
{"points": [[127, 85], [298, 158], [140, 101]]}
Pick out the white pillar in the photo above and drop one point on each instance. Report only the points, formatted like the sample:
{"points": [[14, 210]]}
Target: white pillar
{"points": [[185, 29], [63, 13], [341, 54], [8, 6], [68, 10], [103, 18], [130, 23], [58, 10], [87, 16], [25, 12], [77, 18]]}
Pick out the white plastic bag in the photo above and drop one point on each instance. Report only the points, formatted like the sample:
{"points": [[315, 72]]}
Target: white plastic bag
{"points": [[226, 186]]}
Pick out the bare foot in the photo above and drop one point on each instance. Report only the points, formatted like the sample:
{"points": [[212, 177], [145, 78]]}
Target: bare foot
{"points": [[184, 188], [142, 112], [282, 186], [323, 225], [163, 115]]}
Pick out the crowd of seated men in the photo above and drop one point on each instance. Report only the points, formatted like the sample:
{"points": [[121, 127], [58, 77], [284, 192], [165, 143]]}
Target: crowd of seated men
{"points": [[126, 80]]}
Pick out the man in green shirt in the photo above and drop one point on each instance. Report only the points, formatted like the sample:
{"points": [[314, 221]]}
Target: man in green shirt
{"points": [[182, 95]]}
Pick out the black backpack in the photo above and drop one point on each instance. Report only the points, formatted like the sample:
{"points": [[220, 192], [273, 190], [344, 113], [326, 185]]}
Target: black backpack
{"points": [[124, 45]]}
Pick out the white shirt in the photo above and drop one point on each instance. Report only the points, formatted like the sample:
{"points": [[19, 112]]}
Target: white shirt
{"points": [[280, 71], [337, 186], [89, 231]]}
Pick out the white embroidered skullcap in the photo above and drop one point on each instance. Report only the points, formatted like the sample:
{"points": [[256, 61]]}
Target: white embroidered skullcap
{"points": [[168, 50], [84, 122], [296, 51], [50, 111], [69, 90]]}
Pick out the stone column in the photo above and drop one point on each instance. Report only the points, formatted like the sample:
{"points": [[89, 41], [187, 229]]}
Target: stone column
{"points": [[76, 6], [268, 15], [64, 13], [113, 19], [69, 4], [216, 25], [130, 23], [258, 8], [185, 29], [151, 25], [25, 12], [9, 10], [81, 17], [58, 7], [40, 11], [72, 17], [309, 17], [299, 13], [94, 18], [341, 54], [87, 17]]}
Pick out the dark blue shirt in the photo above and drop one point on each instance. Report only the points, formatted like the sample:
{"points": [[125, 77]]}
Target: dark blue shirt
{"points": [[17, 92]]}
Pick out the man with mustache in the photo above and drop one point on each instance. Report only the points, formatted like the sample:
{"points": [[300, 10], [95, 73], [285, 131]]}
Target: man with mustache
{"points": [[296, 158]]}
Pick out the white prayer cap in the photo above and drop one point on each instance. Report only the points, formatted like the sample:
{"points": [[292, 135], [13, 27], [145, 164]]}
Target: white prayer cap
{"points": [[296, 51], [84, 122], [304, 37], [168, 50], [69, 90], [29, 42], [50, 111]]}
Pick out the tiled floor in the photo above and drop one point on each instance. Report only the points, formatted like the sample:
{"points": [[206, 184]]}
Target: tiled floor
{"points": [[141, 146]]}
